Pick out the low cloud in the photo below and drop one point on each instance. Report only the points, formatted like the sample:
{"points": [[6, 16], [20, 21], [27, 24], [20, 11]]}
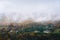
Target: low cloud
{"points": [[36, 10]]}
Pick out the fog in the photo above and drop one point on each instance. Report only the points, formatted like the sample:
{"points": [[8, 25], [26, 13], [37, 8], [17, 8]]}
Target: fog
{"points": [[39, 10]]}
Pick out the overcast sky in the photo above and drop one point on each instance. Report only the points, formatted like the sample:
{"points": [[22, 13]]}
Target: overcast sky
{"points": [[36, 9]]}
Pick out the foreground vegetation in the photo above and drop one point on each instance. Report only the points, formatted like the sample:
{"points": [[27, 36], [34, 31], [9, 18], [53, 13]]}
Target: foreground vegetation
{"points": [[30, 36], [31, 31]]}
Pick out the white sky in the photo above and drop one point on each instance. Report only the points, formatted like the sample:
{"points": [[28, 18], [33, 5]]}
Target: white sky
{"points": [[36, 9]]}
